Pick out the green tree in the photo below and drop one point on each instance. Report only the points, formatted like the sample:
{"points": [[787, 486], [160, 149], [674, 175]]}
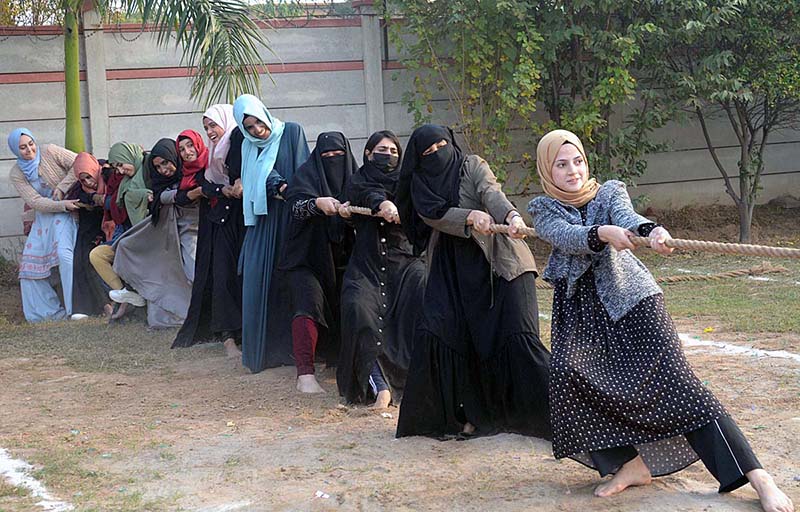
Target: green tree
{"points": [[588, 56], [30, 12], [483, 54], [497, 59], [739, 59], [217, 37]]}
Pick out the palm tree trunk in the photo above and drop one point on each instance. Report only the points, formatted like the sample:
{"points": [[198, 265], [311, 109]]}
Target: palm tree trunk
{"points": [[74, 139]]}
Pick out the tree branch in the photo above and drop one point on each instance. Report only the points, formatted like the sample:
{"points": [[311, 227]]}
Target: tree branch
{"points": [[728, 186]]}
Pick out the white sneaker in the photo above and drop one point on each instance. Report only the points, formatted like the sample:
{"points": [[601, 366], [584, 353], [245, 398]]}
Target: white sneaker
{"points": [[78, 316], [128, 297]]}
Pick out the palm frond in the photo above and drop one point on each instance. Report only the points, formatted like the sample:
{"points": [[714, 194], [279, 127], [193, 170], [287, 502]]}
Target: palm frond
{"points": [[218, 39]]}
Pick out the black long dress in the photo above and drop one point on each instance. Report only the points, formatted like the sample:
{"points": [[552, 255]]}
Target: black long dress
{"points": [[317, 246], [381, 296], [215, 309], [89, 294], [477, 355]]}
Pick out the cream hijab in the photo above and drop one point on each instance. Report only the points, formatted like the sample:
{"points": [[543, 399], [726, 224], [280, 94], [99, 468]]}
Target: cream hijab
{"points": [[546, 153]]}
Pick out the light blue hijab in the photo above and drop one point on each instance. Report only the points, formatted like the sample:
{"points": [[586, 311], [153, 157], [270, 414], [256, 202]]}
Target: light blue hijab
{"points": [[30, 168], [256, 167]]}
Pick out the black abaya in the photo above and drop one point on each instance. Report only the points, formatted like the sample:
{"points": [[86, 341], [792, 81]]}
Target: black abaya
{"points": [[381, 296], [89, 294], [477, 355], [216, 304], [318, 246]]}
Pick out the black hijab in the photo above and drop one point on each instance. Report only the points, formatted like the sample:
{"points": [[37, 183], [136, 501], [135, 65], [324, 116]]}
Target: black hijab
{"points": [[166, 149], [325, 177], [371, 185], [428, 185]]}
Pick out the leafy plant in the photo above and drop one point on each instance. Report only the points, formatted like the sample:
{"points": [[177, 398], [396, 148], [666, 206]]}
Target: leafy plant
{"points": [[739, 59], [497, 60], [484, 55]]}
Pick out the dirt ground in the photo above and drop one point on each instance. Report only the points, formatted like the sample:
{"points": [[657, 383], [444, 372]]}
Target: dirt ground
{"points": [[204, 434], [146, 428]]}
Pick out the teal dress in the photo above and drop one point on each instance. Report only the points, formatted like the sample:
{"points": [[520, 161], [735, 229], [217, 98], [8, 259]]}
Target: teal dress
{"points": [[266, 313]]}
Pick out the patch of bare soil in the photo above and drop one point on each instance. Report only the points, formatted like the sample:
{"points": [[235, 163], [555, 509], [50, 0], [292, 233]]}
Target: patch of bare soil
{"points": [[206, 435]]}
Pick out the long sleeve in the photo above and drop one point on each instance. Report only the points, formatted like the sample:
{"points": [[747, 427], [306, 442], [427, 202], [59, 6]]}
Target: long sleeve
{"points": [[168, 196], [31, 197], [373, 200], [453, 222], [233, 160], [303, 209], [274, 183], [64, 159], [210, 189], [621, 208], [490, 194], [553, 227]]}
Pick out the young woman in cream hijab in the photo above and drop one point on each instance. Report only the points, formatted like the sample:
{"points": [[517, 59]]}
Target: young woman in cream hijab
{"points": [[624, 399]]}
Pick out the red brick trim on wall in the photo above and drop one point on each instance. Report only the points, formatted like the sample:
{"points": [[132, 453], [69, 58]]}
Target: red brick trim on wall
{"points": [[179, 72], [50, 30]]}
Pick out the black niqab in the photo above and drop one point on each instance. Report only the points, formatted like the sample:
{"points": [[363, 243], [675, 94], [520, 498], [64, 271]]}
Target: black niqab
{"points": [[429, 184], [166, 149], [324, 177], [370, 186]]}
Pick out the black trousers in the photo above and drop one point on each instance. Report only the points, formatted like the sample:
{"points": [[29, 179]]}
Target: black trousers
{"points": [[720, 445]]}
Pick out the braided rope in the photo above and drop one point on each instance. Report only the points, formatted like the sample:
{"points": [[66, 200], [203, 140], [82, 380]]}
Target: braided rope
{"points": [[695, 245], [360, 210], [723, 248], [675, 243]]}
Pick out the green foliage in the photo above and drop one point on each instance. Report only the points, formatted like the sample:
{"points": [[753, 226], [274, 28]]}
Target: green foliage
{"points": [[31, 12], [736, 58], [483, 55], [590, 52], [218, 37], [279, 9], [496, 60]]}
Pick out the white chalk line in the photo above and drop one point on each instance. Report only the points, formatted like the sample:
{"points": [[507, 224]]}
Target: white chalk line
{"points": [[17, 473], [773, 280], [732, 349], [754, 278], [228, 507]]}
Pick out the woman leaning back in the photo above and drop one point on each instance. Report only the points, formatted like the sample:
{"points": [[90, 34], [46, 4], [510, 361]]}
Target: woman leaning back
{"points": [[478, 366], [624, 399], [271, 151], [42, 175], [383, 284]]}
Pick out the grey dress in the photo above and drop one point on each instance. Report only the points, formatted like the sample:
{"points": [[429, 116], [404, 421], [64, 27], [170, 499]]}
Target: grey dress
{"points": [[158, 261]]}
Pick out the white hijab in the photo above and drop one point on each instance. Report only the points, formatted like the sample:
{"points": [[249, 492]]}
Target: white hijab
{"points": [[216, 171]]}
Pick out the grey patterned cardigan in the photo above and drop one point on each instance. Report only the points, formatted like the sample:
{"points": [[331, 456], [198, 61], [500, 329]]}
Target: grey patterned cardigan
{"points": [[622, 280]]}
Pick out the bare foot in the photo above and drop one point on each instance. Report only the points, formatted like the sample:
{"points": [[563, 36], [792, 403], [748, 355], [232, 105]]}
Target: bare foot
{"points": [[108, 310], [308, 384], [122, 310], [231, 350], [383, 400], [772, 498], [634, 472], [469, 428]]}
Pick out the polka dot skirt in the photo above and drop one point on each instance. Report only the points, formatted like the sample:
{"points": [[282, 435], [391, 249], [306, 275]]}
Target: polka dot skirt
{"points": [[622, 383]]}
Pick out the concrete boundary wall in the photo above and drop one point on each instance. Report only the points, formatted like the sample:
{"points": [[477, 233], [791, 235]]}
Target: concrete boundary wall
{"points": [[326, 74]]}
